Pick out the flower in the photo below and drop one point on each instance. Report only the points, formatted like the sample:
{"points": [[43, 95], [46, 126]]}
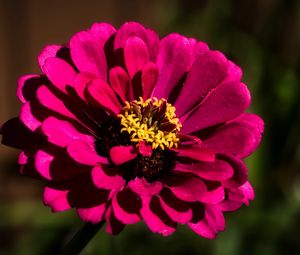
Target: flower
{"points": [[124, 127]]}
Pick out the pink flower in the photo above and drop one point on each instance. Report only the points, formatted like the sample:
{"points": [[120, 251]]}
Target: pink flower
{"points": [[124, 127]]}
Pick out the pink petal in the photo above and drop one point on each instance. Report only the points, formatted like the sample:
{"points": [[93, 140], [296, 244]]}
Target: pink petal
{"points": [[149, 79], [49, 51], [234, 200], [121, 154], [59, 72], [240, 175], [114, 226], [84, 153], [127, 205], [119, 81], [80, 83], [27, 81], [122, 215], [207, 72], [22, 158], [61, 132], [49, 100], [136, 55], [102, 95], [144, 188], [224, 103], [155, 217], [42, 162], [173, 60], [93, 215], [239, 137], [234, 72], [248, 192], [144, 149], [195, 152], [181, 217], [218, 170], [102, 180], [131, 29], [88, 54], [27, 118], [212, 223], [56, 199], [190, 189], [214, 196], [102, 32]]}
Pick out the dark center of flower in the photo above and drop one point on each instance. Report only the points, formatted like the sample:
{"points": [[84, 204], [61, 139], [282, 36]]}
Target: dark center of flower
{"points": [[152, 122]]}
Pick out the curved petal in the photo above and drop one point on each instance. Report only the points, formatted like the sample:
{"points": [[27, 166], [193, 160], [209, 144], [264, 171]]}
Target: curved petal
{"points": [[196, 153], [121, 154], [59, 72], [102, 95], [173, 60], [27, 86], [105, 181], [49, 51], [239, 137], [56, 199], [93, 214], [136, 55], [144, 188], [207, 72], [224, 103], [27, 117], [218, 170], [61, 132], [114, 226], [83, 153], [149, 79], [88, 54], [119, 82]]}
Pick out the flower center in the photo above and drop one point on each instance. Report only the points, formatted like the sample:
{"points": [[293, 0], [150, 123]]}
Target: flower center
{"points": [[152, 121]]}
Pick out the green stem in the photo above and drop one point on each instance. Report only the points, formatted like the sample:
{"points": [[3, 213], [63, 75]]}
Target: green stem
{"points": [[81, 239]]}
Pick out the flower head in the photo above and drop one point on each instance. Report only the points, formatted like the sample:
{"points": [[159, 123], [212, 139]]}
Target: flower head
{"points": [[124, 127]]}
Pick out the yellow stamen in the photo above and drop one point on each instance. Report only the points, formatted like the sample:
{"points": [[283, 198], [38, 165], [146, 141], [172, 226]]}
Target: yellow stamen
{"points": [[145, 128]]}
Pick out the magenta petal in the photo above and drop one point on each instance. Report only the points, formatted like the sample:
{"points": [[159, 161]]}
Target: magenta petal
{"points": [[207, 72], [59, 72], [122, 215], [143, 188], [80, 83], [56, 199], [49, 51], [22, 83], [234, 72], [119, 81], [61, 132], [93, 215], [84, 153], [212, 223], [173, 60], [149, 79], [191, 190], [88, 54], [104, 96], [121, 154], [224, 103], [104, 181], [177, 216], [240, 172], [214, 196], [195, 152], [42, 161], [153, 221], [27, 118], [218, 170], [248, 192], [135, 54], [131, 29], [114, 226], [239, 137], [102, 32], [144, 149], [234, 200], [49, 100]]}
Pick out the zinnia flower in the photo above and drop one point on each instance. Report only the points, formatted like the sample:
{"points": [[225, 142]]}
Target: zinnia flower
{"points": [[124, 127]]}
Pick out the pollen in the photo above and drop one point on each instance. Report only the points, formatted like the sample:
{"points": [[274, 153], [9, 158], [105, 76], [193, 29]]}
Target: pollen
{"points": [[153, 121]]}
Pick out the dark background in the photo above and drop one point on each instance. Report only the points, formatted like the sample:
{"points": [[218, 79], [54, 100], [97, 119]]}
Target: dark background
{"points": [[262, 36]]}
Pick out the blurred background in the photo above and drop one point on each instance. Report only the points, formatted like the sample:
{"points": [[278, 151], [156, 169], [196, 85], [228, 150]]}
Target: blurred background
{"points": [[262, 36]]}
